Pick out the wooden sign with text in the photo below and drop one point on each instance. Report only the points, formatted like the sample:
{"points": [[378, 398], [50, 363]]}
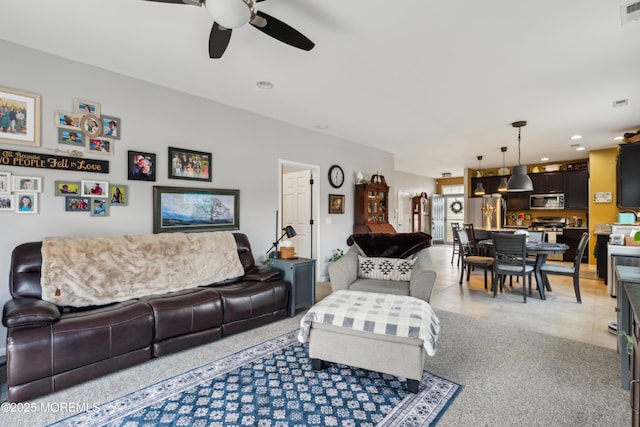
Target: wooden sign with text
{"points": [[46, 161]]}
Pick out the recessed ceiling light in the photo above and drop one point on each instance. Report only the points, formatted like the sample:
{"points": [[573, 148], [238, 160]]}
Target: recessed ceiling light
{"points": [[618, 138], [576, 137], [544, 159], [263, 84], [581, 148]]}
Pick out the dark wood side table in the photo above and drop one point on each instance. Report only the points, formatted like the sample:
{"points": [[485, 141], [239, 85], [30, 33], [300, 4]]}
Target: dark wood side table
{"points": [[300, 273]]}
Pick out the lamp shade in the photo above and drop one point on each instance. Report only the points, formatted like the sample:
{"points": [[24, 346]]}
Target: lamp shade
{"points": [[519, 181], [479, 191], [504, 185], [290, 231]]}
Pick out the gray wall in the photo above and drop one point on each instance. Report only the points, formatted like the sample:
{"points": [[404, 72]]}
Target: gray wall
{"points": [[246, 151]]}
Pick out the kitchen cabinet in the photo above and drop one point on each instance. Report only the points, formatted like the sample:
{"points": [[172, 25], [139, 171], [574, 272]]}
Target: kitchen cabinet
{"points": [[602, 240], [372, 209], [572, 236], [518, 201], [547, 183], [576, 190], [489, 183]]}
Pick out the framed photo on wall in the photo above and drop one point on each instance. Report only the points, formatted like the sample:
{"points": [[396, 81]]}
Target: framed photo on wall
{"points": [[26, 203], [70, 137], [336, 203], [67, 188], [97, 189], [27, 184], [66, 120], [99, 207], [76, 204], [20, 117], [83, 106], [118, 195], [99, 145], [142, 166], [195, 209], [110, 127], [189, 164], [7, 203], [5, 183]]}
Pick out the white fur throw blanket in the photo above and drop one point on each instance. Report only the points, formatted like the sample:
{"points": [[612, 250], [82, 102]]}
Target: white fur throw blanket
{"points": [[83, 271]]}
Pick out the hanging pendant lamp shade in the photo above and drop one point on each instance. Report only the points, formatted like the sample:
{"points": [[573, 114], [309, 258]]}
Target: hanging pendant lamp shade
{"points": [[479, 191], [502, 188], [519, 181]]}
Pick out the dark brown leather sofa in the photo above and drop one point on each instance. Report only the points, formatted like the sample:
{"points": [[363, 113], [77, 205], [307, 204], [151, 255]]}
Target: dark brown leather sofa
{"points": [[51, 347]]}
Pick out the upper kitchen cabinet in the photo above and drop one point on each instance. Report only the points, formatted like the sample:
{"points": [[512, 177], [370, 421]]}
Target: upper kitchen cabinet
{"points": [[489, 183], [547, 182], [576, 190]]}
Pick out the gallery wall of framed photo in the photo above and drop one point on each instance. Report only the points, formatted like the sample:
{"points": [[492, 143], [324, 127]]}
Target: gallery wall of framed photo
{"points": [[85, 130]]}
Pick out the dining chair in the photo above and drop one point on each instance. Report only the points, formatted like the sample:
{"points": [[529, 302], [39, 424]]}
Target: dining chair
{"points": [[509, 259], [473, 241], [568, 270], [456, 246], [469, 260]]}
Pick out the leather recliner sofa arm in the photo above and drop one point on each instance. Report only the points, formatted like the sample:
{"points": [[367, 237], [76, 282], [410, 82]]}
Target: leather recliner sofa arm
{"points": [[261, 273], [26, 312]]}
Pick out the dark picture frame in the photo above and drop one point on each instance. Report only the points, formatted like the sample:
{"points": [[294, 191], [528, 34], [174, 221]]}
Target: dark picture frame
{"points": [[27, 123], [141, 166], [195, 209], [189, 164], [336, 203]]}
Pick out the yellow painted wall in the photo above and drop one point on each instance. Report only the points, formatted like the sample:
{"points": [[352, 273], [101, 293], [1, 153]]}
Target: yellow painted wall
{"points": [[448, 181], [602, 177]]}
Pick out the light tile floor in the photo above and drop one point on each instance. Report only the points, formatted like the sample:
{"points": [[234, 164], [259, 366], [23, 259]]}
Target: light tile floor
{"points": [[558, 315]]}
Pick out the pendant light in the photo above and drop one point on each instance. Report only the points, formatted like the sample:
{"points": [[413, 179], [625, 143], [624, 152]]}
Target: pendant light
{"points": [[479, 191], [519, 181], [502, 188]]}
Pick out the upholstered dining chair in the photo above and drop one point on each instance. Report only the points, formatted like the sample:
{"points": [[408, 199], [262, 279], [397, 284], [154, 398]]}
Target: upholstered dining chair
{"points": [[509, 259], [568, 270], [456, 246], [469, 260]]}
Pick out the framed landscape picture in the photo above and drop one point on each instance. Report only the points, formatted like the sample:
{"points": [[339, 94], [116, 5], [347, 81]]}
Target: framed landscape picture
{"points": [[189, 164], [195, 209], [22, 123]]}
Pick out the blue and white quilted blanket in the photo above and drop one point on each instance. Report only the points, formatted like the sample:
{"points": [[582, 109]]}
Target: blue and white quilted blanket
{"points": [[383, 314]]}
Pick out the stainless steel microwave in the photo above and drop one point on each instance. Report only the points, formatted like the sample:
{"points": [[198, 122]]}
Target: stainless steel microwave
{"points": [[546, 201]]}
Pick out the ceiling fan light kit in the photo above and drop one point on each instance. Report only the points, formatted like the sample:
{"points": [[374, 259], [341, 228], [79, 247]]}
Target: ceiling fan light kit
{"points": [[519, 181], [231, 14]]}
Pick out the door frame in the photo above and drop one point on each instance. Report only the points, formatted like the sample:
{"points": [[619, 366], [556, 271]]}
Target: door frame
{"points": [[315, 201]]}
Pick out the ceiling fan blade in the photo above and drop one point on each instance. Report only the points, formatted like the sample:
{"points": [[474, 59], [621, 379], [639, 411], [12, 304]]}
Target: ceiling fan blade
{"points": [[169, 1], [283, 32], [218, 40]]}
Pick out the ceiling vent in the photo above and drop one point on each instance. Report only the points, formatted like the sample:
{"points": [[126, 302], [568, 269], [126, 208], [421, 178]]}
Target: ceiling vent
{"points": [[630, 12], [620, 103]]}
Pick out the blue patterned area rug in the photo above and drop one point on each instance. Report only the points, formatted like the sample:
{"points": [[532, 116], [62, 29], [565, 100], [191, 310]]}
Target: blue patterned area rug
{"points": [[273, 385]]}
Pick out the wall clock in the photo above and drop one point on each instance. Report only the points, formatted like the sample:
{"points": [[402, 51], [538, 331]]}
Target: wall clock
{"points": [[336, 176]]}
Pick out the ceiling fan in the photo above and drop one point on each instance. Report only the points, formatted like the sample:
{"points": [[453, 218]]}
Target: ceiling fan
{"points": [[231, 14]]}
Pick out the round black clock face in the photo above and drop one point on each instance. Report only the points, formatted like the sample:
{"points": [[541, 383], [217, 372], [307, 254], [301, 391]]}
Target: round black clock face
{"points": [[336, 176]]}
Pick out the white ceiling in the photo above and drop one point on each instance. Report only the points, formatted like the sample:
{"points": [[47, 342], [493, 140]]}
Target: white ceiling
{"points": [[437, 83]]}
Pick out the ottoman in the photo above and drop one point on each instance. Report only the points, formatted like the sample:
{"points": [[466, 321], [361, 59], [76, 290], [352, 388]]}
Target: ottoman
{"points": [[385, 333]]}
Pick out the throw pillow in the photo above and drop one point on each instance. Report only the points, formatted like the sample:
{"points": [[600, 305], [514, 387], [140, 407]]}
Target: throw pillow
{"points": [[385, 268]]}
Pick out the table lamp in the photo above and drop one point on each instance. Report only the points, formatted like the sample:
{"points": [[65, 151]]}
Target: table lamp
{"points": [[289, 232]]}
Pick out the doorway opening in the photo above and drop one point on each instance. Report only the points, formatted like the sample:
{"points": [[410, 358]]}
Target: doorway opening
{"points": [[299, 205]]}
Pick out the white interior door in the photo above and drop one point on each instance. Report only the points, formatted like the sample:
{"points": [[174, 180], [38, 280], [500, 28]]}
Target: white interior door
{"points": [[404, 212], [296, 209]]}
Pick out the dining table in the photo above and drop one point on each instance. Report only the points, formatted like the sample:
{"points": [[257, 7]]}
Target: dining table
{"points": [[541, 250]]}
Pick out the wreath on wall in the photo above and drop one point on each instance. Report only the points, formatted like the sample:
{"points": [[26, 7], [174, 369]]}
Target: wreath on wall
{"points": [[456, 207]]}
